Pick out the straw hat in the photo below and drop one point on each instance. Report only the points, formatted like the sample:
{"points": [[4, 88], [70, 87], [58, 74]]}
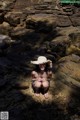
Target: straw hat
{"points": [[40, 60]]}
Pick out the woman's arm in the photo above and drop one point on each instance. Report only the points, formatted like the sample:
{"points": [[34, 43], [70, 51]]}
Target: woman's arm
{"points": [[34, 75], [50, 69]]}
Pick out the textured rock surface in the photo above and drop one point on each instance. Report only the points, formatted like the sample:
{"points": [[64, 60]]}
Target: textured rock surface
{"points": [[69, 70]]}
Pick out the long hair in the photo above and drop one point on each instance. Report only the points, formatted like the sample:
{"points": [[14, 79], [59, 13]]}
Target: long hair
{"points": [[37, 69]]}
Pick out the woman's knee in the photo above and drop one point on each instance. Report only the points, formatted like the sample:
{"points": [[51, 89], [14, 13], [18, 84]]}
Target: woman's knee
{"points": [[37, 84], [45, 84]]}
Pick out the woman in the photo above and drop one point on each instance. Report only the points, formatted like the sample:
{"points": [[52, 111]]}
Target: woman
{"points": [[41, 75]]}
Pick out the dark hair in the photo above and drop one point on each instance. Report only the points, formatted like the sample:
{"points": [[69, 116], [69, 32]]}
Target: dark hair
{"points": [[37, 69]]}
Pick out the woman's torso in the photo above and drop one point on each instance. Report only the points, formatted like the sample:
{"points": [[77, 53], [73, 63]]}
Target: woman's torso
{"points": [[41, 76]]}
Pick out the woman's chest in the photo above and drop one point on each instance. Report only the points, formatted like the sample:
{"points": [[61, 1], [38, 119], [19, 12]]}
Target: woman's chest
{"points": [[42, 75]]}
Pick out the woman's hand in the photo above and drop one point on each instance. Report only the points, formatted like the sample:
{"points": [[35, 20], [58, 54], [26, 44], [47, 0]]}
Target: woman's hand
{"points": [[50, 63]]}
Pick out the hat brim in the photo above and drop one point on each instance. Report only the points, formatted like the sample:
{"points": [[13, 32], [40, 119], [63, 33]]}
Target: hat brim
{"points": [[38, 62]]}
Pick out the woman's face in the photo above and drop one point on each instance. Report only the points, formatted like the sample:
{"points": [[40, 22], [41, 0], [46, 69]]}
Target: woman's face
{"points": [[42, 66]]}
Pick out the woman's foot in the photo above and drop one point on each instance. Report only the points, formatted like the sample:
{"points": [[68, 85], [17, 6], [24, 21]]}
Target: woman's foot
{"points": [[37, 94], [46, 95]]}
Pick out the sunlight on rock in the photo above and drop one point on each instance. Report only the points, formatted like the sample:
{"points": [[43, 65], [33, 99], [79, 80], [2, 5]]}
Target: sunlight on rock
{"points": [[63, 97], [40, 98]]}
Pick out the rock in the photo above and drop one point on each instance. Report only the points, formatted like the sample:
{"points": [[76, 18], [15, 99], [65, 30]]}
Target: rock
{"points": [[74, 46], [20, 5], [48, 1], [29, 10], [20, 31], [1, 17], [21, 85], [5, 24], [4, 62], [2, 38], [58, 46], [67, 9], [41, 22], [15, 96], [42, 7], [5, 41], [5, 28], [6, 4], [75, 117], [73, 49], [63, 21], [75, 58], [61, 39], [68, 30], [3, 104], [75, 36], [69, 71], [75, 20], [2, 82], [13, 18]]}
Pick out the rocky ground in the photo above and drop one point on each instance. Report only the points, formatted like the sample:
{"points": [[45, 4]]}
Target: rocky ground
{"points": [[27, 30]]}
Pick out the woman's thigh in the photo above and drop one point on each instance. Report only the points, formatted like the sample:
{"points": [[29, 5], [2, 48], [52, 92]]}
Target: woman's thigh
{"points": [[36, 84], [46, 84]]}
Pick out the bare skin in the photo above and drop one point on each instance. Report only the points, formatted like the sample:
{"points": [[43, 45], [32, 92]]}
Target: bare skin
{"points": [[41, 80]]}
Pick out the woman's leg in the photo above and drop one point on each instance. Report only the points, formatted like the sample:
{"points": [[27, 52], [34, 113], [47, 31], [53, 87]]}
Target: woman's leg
{"points": [[36, 86], [45, 86]]}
